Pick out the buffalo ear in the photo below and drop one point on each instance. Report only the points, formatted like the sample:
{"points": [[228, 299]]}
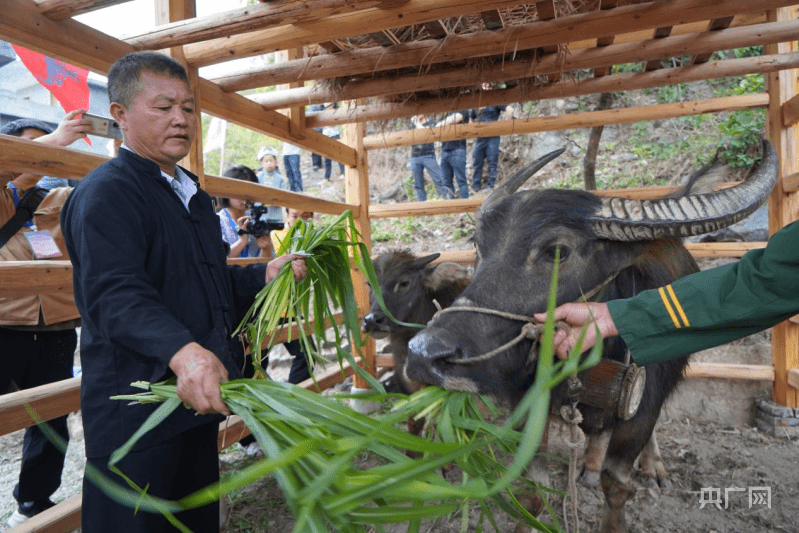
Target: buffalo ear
{"points": [[443, 274]]}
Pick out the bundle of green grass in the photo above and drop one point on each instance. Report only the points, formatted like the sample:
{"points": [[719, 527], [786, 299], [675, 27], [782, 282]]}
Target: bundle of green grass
{"points": [[312, 442]]}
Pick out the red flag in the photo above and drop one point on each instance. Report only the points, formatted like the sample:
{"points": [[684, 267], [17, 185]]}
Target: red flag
{"points": [[66, 82]]}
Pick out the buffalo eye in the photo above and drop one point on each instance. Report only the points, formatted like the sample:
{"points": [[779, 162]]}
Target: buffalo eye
{"points": [[550, 253], [402, 285]]}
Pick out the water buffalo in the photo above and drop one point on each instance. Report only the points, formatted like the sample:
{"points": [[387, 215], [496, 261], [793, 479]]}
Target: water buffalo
{"points": [[409, 285], [620, 245]]}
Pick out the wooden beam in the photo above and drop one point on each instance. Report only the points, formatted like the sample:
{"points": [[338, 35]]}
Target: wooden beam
{"points": [[729, 371], [23, 24], [616, 82], [232, 188], [63, 518], [492, 19], [484, 44], [349, 23], [46, 401], [587, 58], [564, 122], [51, 277], [64, 9], [714, 25], [21, 155], [247, 19], [455, 77], [435, 29]]}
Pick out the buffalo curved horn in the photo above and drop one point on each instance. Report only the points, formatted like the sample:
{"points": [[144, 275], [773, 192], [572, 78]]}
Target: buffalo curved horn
{"points": [[622, 219], [511, 185]]}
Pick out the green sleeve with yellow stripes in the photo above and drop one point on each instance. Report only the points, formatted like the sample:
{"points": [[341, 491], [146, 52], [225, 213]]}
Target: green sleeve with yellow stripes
{"points": [[713, 306]]}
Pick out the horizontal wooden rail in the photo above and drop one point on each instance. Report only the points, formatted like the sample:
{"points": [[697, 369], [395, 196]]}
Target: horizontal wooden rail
{"points": [[232, 188], [566, 122], [47, 401], [730, 371], [21, 155], [63, 518], [16, 277]]}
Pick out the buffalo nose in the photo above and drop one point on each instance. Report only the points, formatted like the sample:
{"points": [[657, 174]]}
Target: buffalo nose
{"points": [[372, 322], [433, 345]]}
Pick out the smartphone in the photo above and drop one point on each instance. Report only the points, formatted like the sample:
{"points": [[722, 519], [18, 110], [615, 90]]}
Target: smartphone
{"points": [[104, 127]]}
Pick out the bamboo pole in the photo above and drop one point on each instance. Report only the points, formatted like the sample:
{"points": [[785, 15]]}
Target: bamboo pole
{"points": [[565, 122]]}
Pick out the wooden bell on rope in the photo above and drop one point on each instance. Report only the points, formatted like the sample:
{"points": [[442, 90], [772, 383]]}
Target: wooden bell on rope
{"points": [[614, 386]]}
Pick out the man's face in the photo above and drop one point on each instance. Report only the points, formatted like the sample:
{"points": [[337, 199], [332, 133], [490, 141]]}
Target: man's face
{"points": [[295, 214], [160, 124]]}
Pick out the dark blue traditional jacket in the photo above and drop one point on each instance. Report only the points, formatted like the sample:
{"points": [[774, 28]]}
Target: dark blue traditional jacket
{"points": [[149, 277]]}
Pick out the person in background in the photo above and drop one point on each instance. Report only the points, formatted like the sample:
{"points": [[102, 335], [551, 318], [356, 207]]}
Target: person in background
{"points": [[486, 147], [453, 156], [37, 333], [695, 312], [316, 159], [157, 300], [233, 217], [334, 132], [423, 156], [270, 176], [31, 129], [291, 164]]}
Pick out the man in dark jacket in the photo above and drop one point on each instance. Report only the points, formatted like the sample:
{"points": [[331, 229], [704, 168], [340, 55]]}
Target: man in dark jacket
{"points": [[486, 148], [156, 297]]}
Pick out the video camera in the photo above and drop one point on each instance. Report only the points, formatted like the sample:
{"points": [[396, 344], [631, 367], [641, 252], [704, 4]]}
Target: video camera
{"points": [[259, 223]]}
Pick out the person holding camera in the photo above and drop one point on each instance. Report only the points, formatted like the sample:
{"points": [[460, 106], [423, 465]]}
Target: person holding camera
{"points": [[38, 331], [157, 300], [233, 218]]}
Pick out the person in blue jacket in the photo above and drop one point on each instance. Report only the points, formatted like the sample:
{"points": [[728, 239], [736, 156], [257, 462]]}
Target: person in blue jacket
{"points": [[157, 300], [486, 148]]}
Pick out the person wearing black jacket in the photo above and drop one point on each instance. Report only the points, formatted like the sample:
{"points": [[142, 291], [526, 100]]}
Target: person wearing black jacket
{"points": [[157, 299], [486, 148]]}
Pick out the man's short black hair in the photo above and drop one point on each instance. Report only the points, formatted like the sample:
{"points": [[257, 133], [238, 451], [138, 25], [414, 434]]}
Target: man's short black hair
{"points": [[16, 127], [125, 74], [238, 172]]}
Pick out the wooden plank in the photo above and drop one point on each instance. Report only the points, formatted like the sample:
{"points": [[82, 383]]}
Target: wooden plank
{"points": [[790, 183], [484, 44], [435, 29], [564, 122], [722, 249], [21, 155], [714, 25], [340, 26], [232, 188], [64, 9], [47, 402], [729, 371], [63, 518], [492, 19], [458, 77], [330, 47], [790, 112], [51, 277]]}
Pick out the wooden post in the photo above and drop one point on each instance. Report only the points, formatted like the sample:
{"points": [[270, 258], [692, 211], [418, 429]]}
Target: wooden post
{"points": [[167, 11], [783, 206], [357, 192]]}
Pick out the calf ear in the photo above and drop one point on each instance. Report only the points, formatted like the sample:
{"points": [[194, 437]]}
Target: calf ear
{"points": [[420, 262], [443, 274]]}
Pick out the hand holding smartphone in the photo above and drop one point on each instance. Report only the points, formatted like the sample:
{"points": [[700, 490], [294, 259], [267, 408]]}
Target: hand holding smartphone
{"points": [[103, 127]]}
